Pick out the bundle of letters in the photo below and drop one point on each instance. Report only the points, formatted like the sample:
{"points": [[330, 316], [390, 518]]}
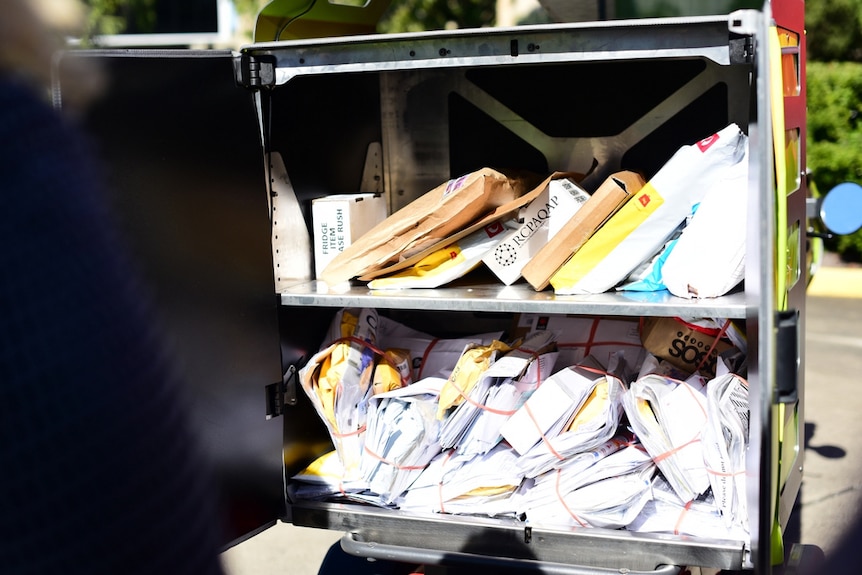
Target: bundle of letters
{"points": [[577, 426]]}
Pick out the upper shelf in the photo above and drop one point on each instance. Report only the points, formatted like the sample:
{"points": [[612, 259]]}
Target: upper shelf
{"points": [[515, 298], [717, 38]]}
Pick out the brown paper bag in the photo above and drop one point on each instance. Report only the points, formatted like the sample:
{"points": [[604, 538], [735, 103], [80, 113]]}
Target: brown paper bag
{"points": [[486, 220], [425, 221]]}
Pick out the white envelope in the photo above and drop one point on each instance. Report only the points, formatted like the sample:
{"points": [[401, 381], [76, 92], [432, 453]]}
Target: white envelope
{"points": [[547, 411]]}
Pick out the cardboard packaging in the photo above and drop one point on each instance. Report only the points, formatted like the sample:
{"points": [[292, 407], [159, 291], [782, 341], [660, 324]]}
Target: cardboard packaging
{"points": [[489, 219], [614, 192], [426, 221], [688, 346], [538, 222], [340, 220]]}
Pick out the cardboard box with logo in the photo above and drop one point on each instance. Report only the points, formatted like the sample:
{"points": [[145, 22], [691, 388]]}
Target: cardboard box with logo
{"points": [[538, 222], [687, 345]]}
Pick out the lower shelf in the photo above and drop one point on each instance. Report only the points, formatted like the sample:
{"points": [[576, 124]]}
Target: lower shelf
{"points": [[451, 536]]}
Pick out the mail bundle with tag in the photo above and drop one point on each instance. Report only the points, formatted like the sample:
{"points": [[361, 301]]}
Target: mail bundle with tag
{"points": [[510, 432]]}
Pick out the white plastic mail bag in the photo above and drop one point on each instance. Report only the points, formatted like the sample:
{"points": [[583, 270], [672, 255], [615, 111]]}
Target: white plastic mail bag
{"points": [[709, 257], [642, 226]]}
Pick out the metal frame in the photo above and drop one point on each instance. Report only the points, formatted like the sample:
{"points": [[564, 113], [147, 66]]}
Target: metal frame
{"points": [[408, 60]]}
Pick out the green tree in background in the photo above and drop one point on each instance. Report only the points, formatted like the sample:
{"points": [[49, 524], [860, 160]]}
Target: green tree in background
{"points": [[835, 134], [834, 30], [106, 17], [834, 116], [115, 16], [834, 82], [419, 15]]}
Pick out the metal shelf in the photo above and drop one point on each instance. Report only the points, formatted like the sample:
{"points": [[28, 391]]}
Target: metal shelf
{"points": [[454, 534], [515, 298]]}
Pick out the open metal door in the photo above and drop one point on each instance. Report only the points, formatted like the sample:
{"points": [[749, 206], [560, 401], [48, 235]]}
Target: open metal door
{"points": [[182, 149]]}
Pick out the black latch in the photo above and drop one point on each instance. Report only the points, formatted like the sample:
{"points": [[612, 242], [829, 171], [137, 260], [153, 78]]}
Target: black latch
{"points": [[742, 50], [254, 72], [281, 393], [787, 356]]}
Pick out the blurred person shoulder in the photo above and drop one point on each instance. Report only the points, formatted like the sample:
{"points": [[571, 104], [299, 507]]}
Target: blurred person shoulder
{"points": [[88, 488], [33, 33]]}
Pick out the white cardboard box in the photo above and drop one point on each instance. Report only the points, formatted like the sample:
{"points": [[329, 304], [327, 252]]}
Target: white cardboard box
{"points": [[341, 219], [539, 221]]}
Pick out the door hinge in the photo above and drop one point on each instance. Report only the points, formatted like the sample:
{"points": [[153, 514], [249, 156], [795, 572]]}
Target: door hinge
{"points": [[281, 393], [254, 72], [787, 356], [742, 50]]}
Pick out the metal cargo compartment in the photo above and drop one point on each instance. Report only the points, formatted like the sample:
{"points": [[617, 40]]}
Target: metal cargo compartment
{"points": [[624, 95], [400, 114]]}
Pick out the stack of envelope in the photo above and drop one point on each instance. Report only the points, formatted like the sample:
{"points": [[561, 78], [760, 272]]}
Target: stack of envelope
{"points": [[583, 491], [467, 374], [668, 417], [666, 513], [725, 443], [611, 503], [402, 437], [595, 421], [552, 409], [430, 356], [337, 379], [498, 432], [323, 479], [474, 425], [465, 484]]}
